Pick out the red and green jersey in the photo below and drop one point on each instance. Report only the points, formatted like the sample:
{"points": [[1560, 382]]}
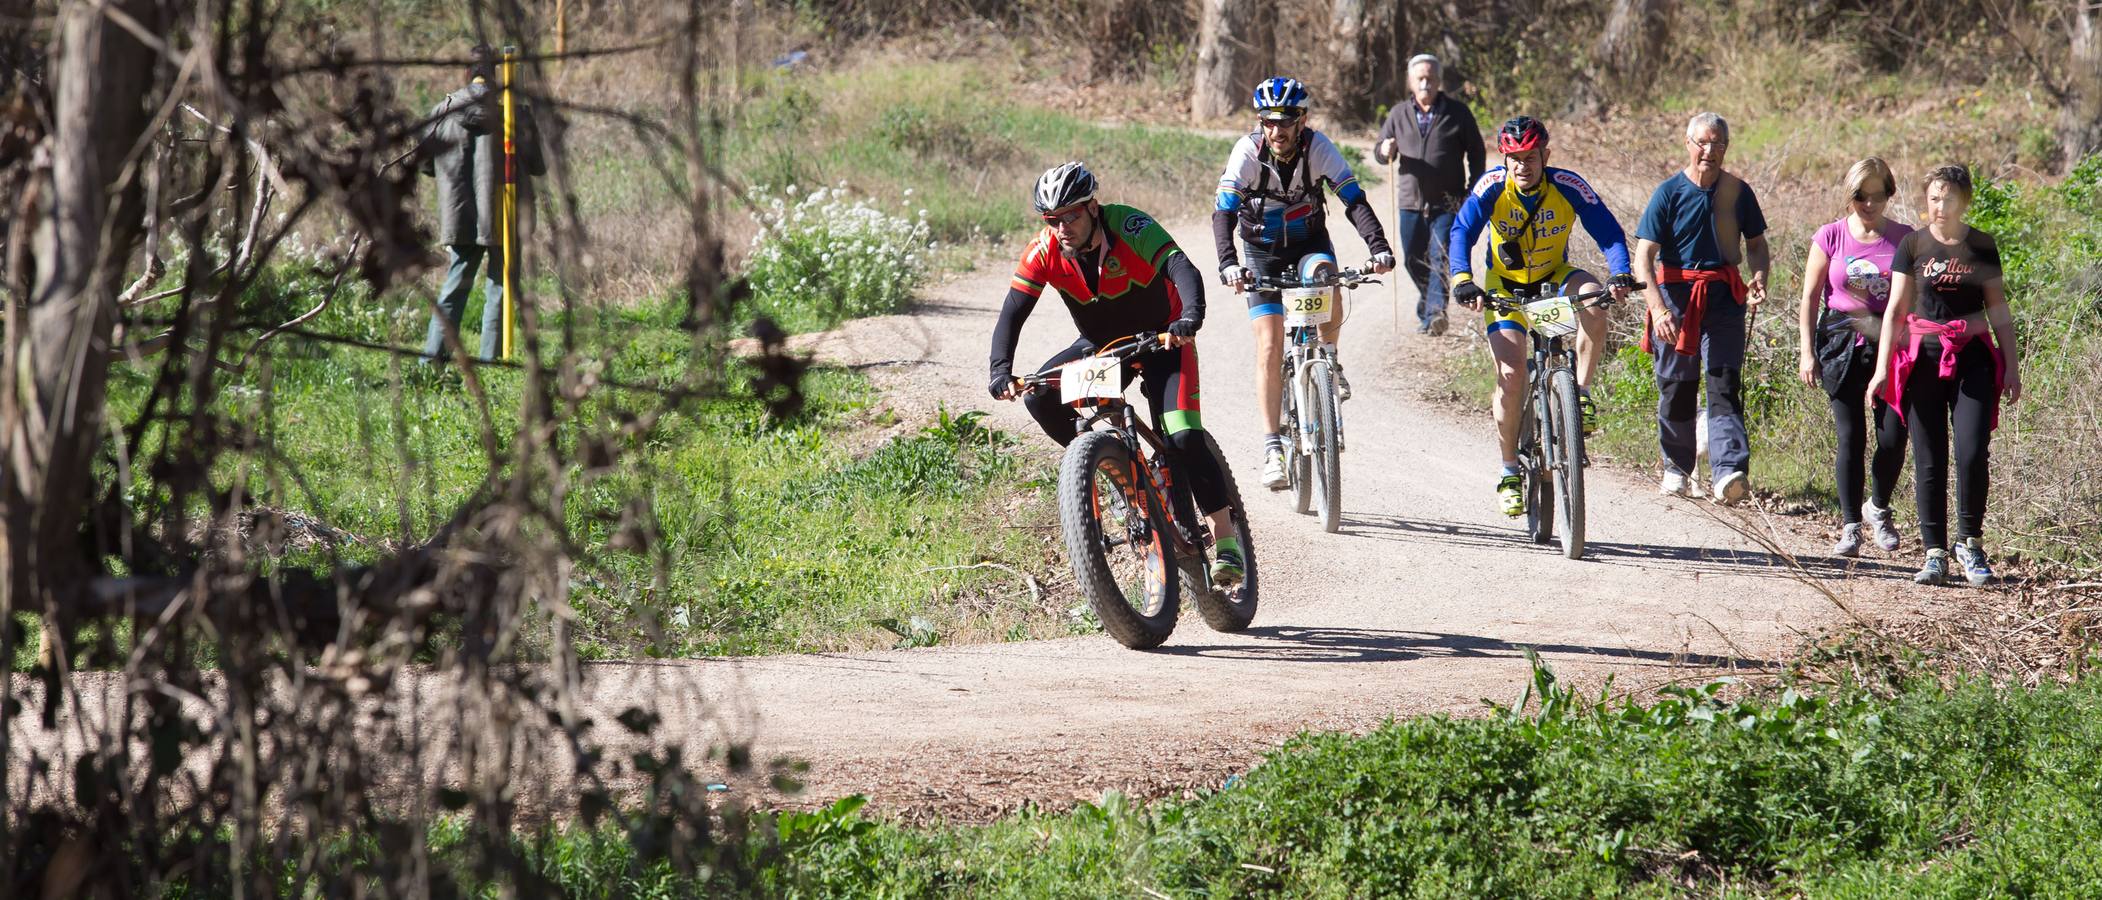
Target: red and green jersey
{"points": [[1132, 292]]}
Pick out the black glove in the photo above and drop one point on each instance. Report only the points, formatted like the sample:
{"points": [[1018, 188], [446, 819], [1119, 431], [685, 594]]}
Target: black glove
{"points": [[1468, 294], [1623, 280], [1182, 328], [1003, 382]]}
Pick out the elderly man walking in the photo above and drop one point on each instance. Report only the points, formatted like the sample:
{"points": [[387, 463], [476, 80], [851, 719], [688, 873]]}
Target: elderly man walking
{"points": [[1699, 313], [1439, 148], [463, 148]]}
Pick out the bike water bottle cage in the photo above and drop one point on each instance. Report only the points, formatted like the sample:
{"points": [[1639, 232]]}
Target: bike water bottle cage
{"points": [[1521, 134]]}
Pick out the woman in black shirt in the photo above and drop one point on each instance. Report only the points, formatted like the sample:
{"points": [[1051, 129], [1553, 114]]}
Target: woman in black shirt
{"points": [[1938, 367]]}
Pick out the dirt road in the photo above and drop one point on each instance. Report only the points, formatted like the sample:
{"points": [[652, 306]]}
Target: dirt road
{"points": [[1422, 604]]}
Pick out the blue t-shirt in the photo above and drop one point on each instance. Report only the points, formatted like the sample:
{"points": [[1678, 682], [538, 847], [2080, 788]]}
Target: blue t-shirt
{"points": [[1681, 220]]}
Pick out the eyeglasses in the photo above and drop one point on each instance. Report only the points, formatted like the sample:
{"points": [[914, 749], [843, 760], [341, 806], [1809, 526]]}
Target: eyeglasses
{"points": [[1287, 122], [1066, 218], [1708, 145]]}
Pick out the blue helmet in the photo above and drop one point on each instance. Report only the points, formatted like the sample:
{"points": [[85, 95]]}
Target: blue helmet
{"points": [[1279, 97]]}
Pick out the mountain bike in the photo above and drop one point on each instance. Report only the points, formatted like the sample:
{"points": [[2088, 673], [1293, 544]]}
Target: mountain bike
{"points": [[1551, 429], [1309, 415], [1131, 530]]}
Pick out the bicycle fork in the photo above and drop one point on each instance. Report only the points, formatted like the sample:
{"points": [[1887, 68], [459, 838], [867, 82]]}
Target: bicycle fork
{"points": [[1303, 394]]}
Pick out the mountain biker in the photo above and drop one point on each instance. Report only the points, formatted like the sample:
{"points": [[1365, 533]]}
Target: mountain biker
{"points": [[1534, 208], [1272, 189], [1119, 273]]}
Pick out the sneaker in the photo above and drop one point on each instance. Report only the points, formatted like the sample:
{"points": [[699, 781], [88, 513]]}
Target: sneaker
{"points": [[1510, 490], [1590, 411], [1227, 568], [1342, 383], [1673, 484], [1971, 556], [1849, 541], [1879, 522], [1437, 327], [1274, 468], [1936, 571], [1731, 488]]}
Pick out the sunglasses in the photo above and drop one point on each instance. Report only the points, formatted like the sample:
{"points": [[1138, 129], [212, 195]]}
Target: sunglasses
{"points": [[1860, 197], [1275, 121], [1066, 218]]}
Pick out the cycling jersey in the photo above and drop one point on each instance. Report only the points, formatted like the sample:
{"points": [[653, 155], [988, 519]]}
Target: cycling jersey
{"points": [[1124, 290], [1278, 206], [1535, 225]]}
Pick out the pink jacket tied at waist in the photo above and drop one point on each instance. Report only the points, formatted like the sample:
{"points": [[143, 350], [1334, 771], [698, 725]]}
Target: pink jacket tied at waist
{"points": [[1954, 337]]}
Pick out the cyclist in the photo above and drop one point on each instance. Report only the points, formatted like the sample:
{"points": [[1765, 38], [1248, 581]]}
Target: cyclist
{"points": [[1272, 189], [1534, 208], [1119, 273]]}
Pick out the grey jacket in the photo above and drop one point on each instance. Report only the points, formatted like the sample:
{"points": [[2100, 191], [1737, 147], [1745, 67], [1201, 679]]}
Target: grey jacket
{"points": [[1437, 169], [463, 146]]}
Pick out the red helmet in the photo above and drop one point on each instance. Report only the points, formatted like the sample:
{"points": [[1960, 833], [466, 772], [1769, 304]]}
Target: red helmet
{"points": [[1521, 134]]}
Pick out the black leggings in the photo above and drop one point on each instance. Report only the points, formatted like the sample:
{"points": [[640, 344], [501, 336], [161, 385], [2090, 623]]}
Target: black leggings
{"points": [[1168, 379], [1941, 411], [1850, 407]]}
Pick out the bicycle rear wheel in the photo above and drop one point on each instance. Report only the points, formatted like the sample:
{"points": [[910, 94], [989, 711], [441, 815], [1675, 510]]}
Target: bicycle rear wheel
{"points": [[1231, 609], [1328, 457], [1117, 537], [1568, 462]]}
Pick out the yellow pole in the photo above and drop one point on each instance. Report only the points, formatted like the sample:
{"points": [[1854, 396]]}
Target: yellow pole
{"points": [[510, 205]]}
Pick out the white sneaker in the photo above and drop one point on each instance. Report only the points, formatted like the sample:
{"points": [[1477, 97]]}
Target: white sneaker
{"points": [[1673, 484], [1849, 541], [1274, 469], [1879, 522], [1732, 488]]}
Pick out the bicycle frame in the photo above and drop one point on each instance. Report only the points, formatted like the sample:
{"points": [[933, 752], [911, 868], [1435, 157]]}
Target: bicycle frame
{"points": [[1148, 458]]}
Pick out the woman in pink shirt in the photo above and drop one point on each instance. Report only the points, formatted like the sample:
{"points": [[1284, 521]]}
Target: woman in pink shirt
{"points": [[1846, 286]]}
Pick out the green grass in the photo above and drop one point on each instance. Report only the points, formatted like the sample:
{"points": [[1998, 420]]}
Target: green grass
{"points": [[953, 134], [1964, 791], [779, 535]]}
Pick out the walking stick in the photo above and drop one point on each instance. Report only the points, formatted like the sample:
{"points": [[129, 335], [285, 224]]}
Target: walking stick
{"points": [[510, 203], [1394, 203]]}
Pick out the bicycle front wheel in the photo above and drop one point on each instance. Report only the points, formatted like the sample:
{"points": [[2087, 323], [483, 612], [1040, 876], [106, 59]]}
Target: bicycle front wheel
{"points": [[1539, 474], [1568, 458], [1117, 537], [1328, 456], [1298, 471]]}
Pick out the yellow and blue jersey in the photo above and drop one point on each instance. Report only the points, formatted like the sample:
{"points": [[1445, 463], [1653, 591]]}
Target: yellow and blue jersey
{"points": [[1554, 209]]}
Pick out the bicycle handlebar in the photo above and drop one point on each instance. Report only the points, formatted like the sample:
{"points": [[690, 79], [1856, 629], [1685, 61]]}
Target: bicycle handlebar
{"points": [[1503, 302], [1143, 342], [1347, 277]]}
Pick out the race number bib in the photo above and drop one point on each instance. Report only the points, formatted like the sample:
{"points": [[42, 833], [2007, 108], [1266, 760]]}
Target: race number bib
{"points": [[1308, 306], [1090, 380], [1552, 317]]}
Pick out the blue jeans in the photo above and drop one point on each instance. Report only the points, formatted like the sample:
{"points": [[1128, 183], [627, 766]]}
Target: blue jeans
{"points": [[452, 300], [1679, 388], [1423, 236]]}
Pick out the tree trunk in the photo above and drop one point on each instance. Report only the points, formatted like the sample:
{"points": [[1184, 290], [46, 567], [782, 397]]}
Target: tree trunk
{"points": [[1234, 51], [2080, 120], [1628, 49], [1365, 54], [58, 335]]}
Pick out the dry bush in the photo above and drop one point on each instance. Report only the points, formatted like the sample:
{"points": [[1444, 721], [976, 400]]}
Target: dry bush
{"points": [[261, 725]]}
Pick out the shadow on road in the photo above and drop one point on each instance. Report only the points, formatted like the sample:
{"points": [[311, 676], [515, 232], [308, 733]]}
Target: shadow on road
{"points": [[1719, 559], [1284, 643]]}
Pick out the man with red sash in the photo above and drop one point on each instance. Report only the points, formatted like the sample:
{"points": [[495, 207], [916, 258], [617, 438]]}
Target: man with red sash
{"points": [[1701, 309]]}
